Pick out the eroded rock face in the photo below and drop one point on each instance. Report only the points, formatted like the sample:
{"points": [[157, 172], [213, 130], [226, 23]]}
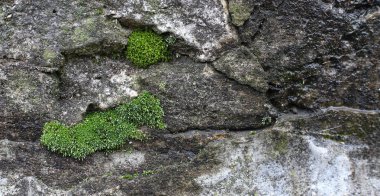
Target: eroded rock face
{"points": [[290, 159], [64, 59], [41, 32], [286, 159], [203, 25], [195, 96], [159, 167], [242, 65], [317, 53]]}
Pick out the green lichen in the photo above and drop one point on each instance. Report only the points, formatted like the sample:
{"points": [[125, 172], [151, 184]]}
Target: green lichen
{"points": [[162, 86], [104, 130], [83, 33], [23, 90], [80, 35], [146, 48], [49, 55], [239, 13], [99, 11], [281, 145], [347, 130], [252, 133], [132, 176]]}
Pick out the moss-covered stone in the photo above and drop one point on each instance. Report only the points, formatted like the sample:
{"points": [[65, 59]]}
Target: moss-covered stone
{"points": [[146, 48], [104, 130]]}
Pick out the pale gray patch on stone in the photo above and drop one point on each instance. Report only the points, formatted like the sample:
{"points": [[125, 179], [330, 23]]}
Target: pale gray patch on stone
{"points": [[309, 166], [6, 152], [123, 160]]}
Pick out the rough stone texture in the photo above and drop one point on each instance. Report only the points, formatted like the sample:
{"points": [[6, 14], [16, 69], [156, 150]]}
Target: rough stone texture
{"points": [[26, 97], [319, 59], [30, 95], [203, 25], [93, 83], [242, 65], [29, 169], [41, 32], [195, 96], [293, 160], [318, 53]]}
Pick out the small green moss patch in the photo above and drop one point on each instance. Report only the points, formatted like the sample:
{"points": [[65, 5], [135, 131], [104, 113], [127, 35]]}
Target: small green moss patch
{"points": [[104, 130], [132, 176], [146, 48], [145, 110]]}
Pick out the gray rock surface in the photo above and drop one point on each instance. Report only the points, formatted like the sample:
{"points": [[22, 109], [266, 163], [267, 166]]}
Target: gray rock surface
{"points": [[293, 157], [317, 53], [242, 65], [239, 68], [203, 25], [296, 158], [195, 96]]}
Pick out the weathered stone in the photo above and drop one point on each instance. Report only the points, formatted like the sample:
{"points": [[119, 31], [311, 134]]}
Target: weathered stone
{"points": [[63, 59], [317, 53], [195, 96], [243, 66], [203, 25], [95, 35], [40, 32], [30, 95], [26, 167], [289, 160], [93, 83]]}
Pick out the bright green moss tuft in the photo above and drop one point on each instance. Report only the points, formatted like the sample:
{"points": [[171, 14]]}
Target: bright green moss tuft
{"points": [[146, 48], [146, 110], [104, 130]]}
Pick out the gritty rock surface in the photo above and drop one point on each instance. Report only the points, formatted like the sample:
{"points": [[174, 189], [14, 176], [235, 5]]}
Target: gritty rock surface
{"points": [[195, 96], [167, 160], [242, 65], [290, 160], [318, 53], [266, 97], [203, 25]]}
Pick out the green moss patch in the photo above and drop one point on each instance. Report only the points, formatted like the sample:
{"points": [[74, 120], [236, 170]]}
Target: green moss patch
{"points": [[104, 130], [146, 48], [145, 110]]}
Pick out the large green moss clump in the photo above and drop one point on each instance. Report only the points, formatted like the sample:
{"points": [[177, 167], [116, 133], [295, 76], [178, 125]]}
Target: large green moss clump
{"points": [[146, 48], [104, 130]]}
